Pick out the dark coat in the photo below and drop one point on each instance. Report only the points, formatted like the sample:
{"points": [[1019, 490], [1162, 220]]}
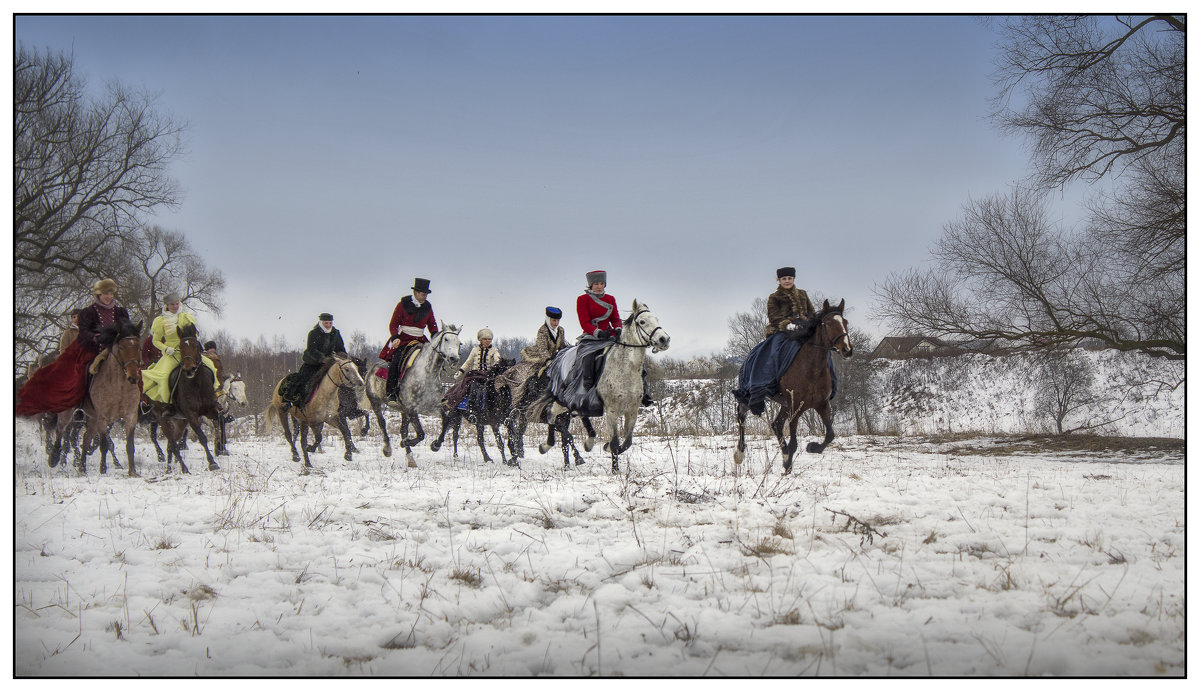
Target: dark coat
{"points": [[321, 345], [92, 319], [785, 306], [407, 314]]}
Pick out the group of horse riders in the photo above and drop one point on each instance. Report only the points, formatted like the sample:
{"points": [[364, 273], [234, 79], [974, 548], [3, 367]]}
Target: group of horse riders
{"points": [[62, 384]]}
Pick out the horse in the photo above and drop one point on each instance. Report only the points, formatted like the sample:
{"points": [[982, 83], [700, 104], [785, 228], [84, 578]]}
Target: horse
{"points": [[420, 390], [338, 371], [806, 384], [233, 391], [619, 387], [113, 394], [193, 396], [485, 407]]}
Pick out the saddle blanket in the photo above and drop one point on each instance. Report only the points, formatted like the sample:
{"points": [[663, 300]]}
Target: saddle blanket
{"points": [[567, 377]]}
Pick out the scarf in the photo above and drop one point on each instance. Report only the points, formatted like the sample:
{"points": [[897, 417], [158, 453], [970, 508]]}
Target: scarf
{"points": [[324, 329], [170, 321], [607, 308]]}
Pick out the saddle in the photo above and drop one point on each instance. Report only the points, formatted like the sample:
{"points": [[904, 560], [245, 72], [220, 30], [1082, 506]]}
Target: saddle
{"points": [[410, 352]]}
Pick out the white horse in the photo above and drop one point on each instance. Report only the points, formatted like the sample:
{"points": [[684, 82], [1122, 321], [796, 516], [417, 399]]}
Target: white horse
{"points": [[619, 386], [233, 391], [420, 388]]}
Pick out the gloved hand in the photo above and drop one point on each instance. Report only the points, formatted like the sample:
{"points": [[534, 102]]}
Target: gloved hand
{"points": [[791, 326], [603, 333], [170, 351], [616, 333]]}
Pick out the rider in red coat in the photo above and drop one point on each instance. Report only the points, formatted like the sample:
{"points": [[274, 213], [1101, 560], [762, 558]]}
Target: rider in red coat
{"points": [[412, 316], [598, 315]]}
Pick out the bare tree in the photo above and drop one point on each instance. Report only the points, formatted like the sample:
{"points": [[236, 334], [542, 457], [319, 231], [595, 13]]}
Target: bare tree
{"points": [[84, 170], [746, 329], [1065, 384], [1100, 99], [157, 261]]}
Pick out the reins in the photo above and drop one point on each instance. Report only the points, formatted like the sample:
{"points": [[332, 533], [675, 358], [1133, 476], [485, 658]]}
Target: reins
{"points": [[649, 338]]}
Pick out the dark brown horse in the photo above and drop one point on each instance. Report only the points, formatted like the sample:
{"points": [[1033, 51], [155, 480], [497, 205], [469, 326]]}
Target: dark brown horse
{"points": [[485, 407], [193, 396], [806, 384]]}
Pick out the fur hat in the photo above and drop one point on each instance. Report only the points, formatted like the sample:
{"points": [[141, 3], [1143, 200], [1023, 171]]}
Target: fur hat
{"points": [[484, 333], [785, 271], [325, 317], [421, 285], [597, 276], [210, 345], [553, 312], [171, 297], [104, 286]]}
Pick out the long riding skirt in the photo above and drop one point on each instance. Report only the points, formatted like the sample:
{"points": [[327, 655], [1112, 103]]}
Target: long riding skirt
{"points": [[57, 386]]}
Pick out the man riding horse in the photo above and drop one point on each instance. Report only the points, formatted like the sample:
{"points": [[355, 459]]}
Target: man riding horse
{"points": [[323, 341], [411, 317]]}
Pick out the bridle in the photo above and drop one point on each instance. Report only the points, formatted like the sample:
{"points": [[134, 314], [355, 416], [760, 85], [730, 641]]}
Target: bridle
{"points": [[844, 335], [137, 358], [328, 373], [436, 345], [648, 339], [195, 360]]}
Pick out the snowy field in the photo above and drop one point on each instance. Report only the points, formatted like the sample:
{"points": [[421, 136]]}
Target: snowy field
{"points": [[955, 563]]}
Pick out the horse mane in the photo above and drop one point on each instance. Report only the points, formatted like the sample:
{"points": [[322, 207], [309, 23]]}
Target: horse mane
{"points": [[187, 331], [118, 330], [328, 363], [804, 330]]}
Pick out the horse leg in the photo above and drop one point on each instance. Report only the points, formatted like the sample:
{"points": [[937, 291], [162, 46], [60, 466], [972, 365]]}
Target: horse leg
{"points": [[739, 454], [826, 415], [154, 438], [194, 423], [456, 431], [317, 429], [567, 439], [219, 437], [304, 447], [499, 443], [437, 444], [409, 442], [344, 428], [285, 420], [130, 429], [591, 438], [387, 441], [480, 426], [777, 426]]}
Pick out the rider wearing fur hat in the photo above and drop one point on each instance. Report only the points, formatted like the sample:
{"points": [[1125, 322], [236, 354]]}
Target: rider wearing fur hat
{"points": [[61, 384], [482, 357], [787, 304], [599, 319], [323, 341], [411, 317]]}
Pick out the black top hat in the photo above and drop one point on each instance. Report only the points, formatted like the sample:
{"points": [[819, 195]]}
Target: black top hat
{"points": [[325, 316], [421, 285]]}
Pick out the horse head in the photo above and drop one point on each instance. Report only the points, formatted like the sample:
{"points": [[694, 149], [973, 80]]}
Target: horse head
{"points": [[344, 371], [190, 350], [235, 387], [642, 329], [126, 349], [834, 331], [446, 345]]}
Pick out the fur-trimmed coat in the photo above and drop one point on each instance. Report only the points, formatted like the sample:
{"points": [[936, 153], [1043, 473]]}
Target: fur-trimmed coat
{"points": [[783, 306], [480, 359], [532, 359], [589, 310]]}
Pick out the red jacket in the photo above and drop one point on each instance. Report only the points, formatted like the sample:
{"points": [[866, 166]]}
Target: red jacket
{"points": [[407, 314], [589, 310]]}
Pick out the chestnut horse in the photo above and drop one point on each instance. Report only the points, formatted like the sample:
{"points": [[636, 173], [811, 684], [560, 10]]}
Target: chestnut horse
{"points": [[806, 384], [113, 393]]}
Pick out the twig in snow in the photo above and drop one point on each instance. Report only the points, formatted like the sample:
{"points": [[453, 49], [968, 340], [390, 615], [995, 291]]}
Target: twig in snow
{"points": [[860, 527]]}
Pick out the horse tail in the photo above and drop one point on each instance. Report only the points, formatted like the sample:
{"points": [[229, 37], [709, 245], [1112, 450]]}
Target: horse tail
{"points": [[269, 416], [538, 407]]}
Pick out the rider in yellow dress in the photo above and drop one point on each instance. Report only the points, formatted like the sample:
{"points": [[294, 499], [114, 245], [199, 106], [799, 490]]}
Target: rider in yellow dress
{"points": [[165, 335]]}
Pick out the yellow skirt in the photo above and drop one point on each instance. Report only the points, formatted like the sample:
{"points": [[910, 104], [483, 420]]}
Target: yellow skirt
{"points": [[156, 377]]}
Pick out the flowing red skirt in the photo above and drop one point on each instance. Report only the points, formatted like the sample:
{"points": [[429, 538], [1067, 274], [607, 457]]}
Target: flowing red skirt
{"points": [[58, 386]]}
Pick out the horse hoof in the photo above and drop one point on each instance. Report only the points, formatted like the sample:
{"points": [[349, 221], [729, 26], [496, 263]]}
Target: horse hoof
{"points": [[117, 465], [387, 450], [435, 446], [814, 448], [134, 474], [412, 463], [212, 466], [543, 448], [348, 456], [513, 464], [304, 471], [739, 456], [589, 443]]}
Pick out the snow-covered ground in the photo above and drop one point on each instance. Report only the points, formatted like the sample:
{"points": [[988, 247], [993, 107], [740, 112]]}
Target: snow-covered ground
{"points": [[956, 562]]}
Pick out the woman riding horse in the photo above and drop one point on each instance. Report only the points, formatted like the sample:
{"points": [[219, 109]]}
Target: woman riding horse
{"points": [[787, 308], [599, 319], [164, 332], [483, 357], [61, 385], [549, 340]]}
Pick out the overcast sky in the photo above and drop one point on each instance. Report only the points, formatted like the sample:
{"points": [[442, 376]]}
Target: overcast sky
{"points": [[330, 160]]}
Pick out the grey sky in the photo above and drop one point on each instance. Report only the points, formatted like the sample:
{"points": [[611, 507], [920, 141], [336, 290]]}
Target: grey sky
{"points": [[333, 159]]}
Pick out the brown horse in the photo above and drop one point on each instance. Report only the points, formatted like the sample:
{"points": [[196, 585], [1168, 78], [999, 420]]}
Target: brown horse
{"points": [[113, 394], [806, 384], [193, 396], [339, 372]]}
